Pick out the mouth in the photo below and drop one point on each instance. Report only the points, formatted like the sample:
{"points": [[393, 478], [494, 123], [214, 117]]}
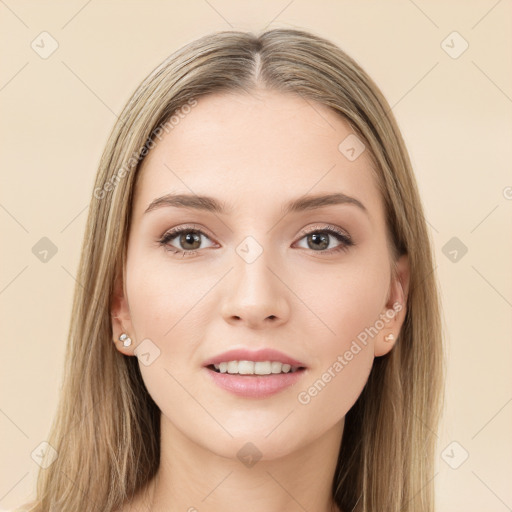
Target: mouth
{"points": [[254, 368], [255, 379]]}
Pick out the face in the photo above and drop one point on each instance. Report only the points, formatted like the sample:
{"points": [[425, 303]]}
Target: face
{"points": [[312, 282]]}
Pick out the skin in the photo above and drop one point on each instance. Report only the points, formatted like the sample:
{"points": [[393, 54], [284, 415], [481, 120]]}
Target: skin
{"points": [[254, 152]]}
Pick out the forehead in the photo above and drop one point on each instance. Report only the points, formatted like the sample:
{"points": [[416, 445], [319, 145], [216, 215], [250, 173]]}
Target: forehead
{"points": [[248, 151]]}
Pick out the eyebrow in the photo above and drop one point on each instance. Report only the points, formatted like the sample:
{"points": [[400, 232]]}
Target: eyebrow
{"points": [[210, 204]]}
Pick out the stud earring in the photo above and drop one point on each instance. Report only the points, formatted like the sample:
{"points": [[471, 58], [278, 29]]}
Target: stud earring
{"points": [[389, 338], [125, 339]]}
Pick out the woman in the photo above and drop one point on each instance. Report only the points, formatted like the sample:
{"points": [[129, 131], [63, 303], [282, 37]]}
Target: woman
{"points": [[257, 323]]}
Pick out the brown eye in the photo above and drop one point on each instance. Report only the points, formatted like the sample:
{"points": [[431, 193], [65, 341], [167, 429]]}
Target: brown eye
{"points": [[186, 241], [319, 240], [190, 238]]}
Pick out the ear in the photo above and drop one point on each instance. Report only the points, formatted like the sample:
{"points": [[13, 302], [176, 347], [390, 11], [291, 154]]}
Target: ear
{"points": [[121, 319], [393, 315]]}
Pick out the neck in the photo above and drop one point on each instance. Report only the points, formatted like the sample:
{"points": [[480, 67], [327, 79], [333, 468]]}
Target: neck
{"points": [[192, 478]]}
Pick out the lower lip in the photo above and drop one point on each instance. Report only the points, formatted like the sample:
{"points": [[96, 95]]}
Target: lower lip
{"points": [[255, 386]]}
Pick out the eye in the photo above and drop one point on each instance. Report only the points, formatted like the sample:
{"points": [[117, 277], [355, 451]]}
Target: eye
{"points": [[189, 238], [318, 239]]}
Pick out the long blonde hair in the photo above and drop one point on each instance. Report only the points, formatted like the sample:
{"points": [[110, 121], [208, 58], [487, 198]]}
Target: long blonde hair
{"points": [[107, 428]]}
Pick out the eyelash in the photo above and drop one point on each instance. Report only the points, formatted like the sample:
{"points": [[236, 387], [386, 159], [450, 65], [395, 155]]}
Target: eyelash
{"points": [[346, 241]]}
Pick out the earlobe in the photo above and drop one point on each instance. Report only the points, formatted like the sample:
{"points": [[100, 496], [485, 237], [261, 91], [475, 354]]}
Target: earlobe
{"points": [[389, 338], [396, 308], [121, 321]]}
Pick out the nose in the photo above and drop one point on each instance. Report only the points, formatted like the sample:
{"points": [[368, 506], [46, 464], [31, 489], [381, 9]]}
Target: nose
{"points": [[255, 295]]}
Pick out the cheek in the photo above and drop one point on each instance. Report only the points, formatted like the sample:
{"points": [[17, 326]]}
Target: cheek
{"points": [[162, 296], [345, 300], [351, 305], [360, 302], [348, 306], [162, 310], [165, 308], [332, 390]]}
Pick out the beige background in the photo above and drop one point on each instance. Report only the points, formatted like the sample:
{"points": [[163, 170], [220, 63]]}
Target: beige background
{"points": [[455, 114]]}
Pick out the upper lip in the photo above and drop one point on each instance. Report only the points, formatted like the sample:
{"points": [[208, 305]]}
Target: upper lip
{"points": [[264, 354]]}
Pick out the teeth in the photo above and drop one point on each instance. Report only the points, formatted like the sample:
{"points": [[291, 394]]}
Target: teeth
{"points": [[254, 367], [276, 367], [245, 368], [262, 367]]}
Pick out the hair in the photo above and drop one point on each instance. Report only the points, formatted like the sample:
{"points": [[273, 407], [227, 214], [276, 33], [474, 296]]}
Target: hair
{"points": [[107, 427]]}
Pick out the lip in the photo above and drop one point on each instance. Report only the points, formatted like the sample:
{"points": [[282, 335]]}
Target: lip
{"points": [[254, 386], [265, 354]]}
